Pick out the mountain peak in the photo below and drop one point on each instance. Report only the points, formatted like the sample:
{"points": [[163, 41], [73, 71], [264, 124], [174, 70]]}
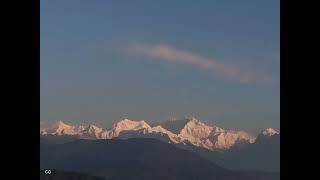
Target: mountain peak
{"points": [[195, 129], [269, 132], [60, 128], [193, 119], [127, 123], [61, 124], [195, 123]]}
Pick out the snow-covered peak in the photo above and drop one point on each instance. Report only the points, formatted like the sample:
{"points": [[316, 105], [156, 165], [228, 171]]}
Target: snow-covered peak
{"points": [[195, 129], [91, 131], [127, 124], [60, 128], [226, 139], [195, 123], [60, 123], [212, 137], [269, 132], [193, 119]]}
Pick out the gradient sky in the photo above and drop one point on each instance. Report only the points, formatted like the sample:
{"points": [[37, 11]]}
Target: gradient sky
{"points": [[216, 60]]}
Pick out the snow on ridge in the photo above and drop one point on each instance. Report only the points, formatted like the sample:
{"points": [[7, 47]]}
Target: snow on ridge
{"points": [[269, 132], [191, 131]]}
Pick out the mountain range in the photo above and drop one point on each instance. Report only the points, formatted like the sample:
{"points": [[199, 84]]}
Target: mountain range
{"points": [[237, 150], [186, 131]]}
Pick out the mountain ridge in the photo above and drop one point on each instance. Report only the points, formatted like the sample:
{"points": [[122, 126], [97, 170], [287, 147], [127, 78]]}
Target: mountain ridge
{"points": [[189, 130]]}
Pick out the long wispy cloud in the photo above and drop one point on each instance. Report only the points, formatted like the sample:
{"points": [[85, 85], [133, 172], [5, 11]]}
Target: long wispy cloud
{"points": [[173, 55]]}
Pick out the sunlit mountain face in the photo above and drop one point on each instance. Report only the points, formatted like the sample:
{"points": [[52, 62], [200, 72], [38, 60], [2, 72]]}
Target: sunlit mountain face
{"points": [[187, 131]]}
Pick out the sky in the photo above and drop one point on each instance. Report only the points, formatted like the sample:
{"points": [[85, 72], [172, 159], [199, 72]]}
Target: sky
{"points": [[216, 60]]}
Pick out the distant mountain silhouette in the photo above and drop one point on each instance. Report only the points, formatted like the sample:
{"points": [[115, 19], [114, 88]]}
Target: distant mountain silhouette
{"points": [[133, 159], [263, 154], [53, 140]]}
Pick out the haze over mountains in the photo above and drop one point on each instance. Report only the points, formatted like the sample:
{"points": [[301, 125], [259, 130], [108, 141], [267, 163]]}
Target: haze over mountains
{"points": [[186, 131]]}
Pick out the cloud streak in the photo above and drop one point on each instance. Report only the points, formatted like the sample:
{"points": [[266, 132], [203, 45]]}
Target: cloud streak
{"points": [[172, 55]]}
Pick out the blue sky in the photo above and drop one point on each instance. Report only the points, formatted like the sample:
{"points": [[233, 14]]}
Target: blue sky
{"points": [[106, 60]]}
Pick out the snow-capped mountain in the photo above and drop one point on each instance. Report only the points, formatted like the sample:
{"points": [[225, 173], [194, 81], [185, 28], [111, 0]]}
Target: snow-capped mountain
{"points": [[156, 132], [267, 137], [91, 132], [269, 132], [186, 131], [60, 128], [123, 126], [212, 137]]}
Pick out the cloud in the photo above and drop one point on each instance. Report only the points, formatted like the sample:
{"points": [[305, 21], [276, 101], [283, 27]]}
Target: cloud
{"points": [[172, 55]]}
